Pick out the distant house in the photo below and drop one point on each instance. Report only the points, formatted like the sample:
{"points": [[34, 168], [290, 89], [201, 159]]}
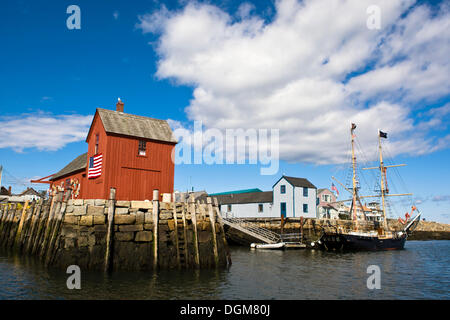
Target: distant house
{"points": [[294, 197], [246, 205], [30, 194], [290, 197], [184, 196], [326, 204], [237, 191], [5, 192]]}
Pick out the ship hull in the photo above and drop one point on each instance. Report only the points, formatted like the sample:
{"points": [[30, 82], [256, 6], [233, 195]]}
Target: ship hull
{"points": [[361, 243]]}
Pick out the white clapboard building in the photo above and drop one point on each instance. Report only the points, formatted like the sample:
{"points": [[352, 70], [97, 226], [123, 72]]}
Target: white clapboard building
{"points": [[290, 197]]}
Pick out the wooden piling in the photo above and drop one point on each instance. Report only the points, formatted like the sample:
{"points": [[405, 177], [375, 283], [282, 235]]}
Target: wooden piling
{"points": [[33, 226], [7, 225], [40, 227], [59, 217], [13, 226], [212, 219], [21, 222], [186, 246], [175, 222], [222, 231], [155, 228], [26, 225], [195, 232], [110, 231], [49, 226]]}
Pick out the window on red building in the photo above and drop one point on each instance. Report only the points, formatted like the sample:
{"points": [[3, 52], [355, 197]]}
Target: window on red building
{"points": [[142, 148], [97, 138]]}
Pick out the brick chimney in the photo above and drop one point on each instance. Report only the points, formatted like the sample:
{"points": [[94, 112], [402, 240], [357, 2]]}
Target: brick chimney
{"points": [[9, 191], [119, 105]]}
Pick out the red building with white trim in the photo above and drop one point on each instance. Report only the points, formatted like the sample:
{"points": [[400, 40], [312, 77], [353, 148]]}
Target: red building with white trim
{"points": [[136, 158]]}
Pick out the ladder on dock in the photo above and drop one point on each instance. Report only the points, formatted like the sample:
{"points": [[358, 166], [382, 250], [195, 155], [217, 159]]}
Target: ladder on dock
{"points": [[262, 234]]}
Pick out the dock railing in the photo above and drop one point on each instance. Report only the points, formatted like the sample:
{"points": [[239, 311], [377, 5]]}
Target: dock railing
{"points": [[257, 232]]}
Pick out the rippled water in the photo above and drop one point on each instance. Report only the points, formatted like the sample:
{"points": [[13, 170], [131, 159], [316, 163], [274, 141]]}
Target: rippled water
{"points": [[421, 271]]}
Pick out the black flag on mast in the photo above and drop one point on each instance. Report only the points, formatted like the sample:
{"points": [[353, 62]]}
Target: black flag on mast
{"points": [[383, 134]]}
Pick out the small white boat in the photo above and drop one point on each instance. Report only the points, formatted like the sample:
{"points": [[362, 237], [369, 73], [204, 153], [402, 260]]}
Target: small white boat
{"points": [[279, 245]]}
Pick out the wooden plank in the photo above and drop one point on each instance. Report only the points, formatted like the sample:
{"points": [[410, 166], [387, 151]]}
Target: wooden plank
{"points": [[175, 219], [21, 222], [110, 231], [186, 245], [155, 228], [212, 219], [222, 231], [195, 232], [56, 228]]}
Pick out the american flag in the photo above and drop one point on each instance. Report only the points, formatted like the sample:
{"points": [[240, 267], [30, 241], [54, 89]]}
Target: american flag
{"points": [[95, 166], [333, 188]]}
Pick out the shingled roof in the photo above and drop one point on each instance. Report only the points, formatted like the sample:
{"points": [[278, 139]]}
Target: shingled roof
{"points": [[249, 197], [136, 126], [78, 163], [298, 182]]}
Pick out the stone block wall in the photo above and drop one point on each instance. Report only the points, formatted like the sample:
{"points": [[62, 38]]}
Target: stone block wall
{"points": [[144, 234]]}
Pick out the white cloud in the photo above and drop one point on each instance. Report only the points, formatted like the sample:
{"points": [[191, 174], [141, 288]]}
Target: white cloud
{"points": [[306, 73], [42, 131]]}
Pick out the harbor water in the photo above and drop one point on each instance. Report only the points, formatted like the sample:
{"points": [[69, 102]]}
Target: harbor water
{"points": [[420, 271]]}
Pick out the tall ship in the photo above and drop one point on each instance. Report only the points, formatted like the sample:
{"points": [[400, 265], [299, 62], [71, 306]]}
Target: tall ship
{"points": [[362, 232]]}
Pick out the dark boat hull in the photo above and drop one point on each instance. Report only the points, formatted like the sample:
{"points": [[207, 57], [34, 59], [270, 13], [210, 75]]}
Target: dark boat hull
{"points": [[360, 242]]}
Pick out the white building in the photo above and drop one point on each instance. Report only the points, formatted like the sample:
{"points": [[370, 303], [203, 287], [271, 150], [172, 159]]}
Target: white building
{"points": [[291, 197], [294, 197], [246, 205]]}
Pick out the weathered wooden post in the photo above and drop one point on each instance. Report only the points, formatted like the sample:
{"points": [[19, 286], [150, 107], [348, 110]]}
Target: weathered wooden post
{"points": [[110, 231], [194, 230], [8, 223], [212, 219], [175, 221], [301, 229], [26, 226], [49, 226], [34, 222], [59, 217], [222, 231], [186, 246], [40, 226], [155, 228], [21, 222]]}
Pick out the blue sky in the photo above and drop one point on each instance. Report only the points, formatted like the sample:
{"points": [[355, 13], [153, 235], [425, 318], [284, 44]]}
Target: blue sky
{"points": [[305, 69]]}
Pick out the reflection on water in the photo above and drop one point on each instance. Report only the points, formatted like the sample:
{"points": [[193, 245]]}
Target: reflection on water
{"points": [[418, 272]]}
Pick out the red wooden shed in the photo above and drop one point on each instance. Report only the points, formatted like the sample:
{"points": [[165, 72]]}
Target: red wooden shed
{"points": [[130, 153]]}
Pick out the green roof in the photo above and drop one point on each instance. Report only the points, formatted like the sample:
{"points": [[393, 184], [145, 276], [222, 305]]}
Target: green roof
{"points": [[237, 192]]}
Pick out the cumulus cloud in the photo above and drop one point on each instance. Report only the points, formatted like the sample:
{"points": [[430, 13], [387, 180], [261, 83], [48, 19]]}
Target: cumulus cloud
{"points": [[311, 71], [42, 131]]}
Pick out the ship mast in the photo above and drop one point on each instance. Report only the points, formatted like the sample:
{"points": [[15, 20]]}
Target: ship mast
{"points": [[353, 206], [382, 173]]}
